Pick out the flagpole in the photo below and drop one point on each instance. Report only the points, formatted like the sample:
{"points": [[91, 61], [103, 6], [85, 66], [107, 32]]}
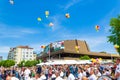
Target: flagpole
{"points": [[49, 53]]}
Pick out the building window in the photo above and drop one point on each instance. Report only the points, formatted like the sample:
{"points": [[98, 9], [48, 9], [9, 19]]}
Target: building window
{"points": [[26, 52], [26, 55], [34, 55], [30, 55]]}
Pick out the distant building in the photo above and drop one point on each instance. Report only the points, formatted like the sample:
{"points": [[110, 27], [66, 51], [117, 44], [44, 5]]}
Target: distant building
{"points": [[21, 53], [1, 58], [71, 49]]}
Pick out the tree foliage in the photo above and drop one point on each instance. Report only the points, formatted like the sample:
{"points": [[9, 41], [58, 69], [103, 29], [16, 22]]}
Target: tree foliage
{"points": [[28, 63], [114, 38], [7, 63], [85, 57], [21, 63]]}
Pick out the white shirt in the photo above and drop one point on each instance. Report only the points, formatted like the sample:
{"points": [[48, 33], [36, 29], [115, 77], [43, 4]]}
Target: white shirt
{"points": [[80, 75], [14, 78], [98, 74], [61, 74], [42, 77], [27, 72], [71, 77], [117, 71], [58, 78], [92, 77], [84, 73], [53, 76]]}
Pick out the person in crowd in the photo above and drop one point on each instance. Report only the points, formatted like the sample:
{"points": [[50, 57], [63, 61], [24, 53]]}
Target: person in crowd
{"points": [[39, 69], [97, 73], [57, 73], [13, 77], [17, 75], [37, 76], [70, 76], [117, 71], [8, 76], [53, 77], [61, 73], [42, 77], [46, 72], [80, 74], [92, 75], [26, 73]]}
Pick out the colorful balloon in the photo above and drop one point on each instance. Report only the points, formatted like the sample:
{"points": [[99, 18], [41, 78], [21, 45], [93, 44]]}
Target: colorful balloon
{"points": [[47, 13], [77, 49], [51, 24], [39, 19], [116, 46], [11, 2], [67, 15], [43, 47], [97, 28]]}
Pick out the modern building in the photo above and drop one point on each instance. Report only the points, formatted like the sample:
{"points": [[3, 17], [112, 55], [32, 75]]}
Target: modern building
{"points": [[1, 58], [71, 49], [21, 53]]}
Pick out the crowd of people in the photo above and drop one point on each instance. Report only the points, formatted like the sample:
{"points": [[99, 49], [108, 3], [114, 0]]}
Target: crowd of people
{"points": [[62, 72]]}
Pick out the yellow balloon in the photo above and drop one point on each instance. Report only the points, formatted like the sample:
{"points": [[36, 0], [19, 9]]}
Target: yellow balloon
{"points": [[47, 13], [39, 19], [76, 47], [116, 46]]}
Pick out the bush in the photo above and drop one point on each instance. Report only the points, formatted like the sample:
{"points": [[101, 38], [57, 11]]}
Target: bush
{"points": [[85, 57]]}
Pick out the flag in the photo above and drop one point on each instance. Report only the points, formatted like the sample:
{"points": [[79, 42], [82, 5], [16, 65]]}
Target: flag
{"points": [[48, 49]]}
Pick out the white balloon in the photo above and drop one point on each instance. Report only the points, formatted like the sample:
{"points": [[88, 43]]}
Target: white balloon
{"points": [[51, 24], [11, 2]]}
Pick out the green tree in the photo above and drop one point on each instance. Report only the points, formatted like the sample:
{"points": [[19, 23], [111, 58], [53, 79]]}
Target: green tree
{"points": [[114, 38], [21, 64], [7, 63], [28, 63], [85, 57]]}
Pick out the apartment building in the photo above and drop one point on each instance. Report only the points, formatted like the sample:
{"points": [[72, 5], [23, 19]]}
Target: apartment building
{"points": [[21, 53]]}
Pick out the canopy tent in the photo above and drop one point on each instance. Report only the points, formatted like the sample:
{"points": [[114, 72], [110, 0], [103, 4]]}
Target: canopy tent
{"points": [[60, 62]]}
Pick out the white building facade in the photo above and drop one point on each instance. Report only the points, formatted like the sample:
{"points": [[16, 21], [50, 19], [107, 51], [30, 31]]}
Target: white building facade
{"points": [[21, 53]]}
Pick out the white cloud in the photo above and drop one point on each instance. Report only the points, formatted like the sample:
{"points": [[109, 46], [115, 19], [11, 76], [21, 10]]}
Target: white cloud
{"points": [[71, 3], [95, 41], [56, 20], [4, 49], [105, 22], [9, 31]]}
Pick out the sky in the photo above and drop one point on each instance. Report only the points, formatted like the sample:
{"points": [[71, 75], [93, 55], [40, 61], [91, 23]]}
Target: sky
{"points": [[19, 24]]}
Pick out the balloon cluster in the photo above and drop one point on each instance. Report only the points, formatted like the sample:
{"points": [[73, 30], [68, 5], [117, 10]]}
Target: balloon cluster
{"points": [[67, 15], [116, 47], [97, 60], [77, 48], [97, 28]]}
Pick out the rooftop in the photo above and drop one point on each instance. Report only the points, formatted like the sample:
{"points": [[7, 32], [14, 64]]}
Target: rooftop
{"points": [[24, 47]]}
